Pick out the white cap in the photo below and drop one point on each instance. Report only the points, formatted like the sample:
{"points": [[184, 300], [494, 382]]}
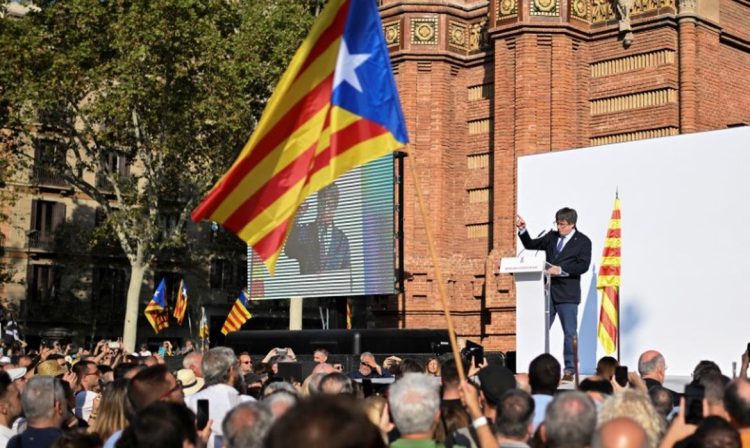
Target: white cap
{"points": [[4, 360], [16, 373]]}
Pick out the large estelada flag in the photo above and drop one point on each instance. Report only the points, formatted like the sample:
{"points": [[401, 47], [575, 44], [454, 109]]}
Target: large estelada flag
{"points": [[156, 310], [182, 302], [335, 107], [608, 283], [237, 316]]}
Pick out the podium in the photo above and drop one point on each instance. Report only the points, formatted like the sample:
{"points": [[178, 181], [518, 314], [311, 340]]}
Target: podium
{"points": [[532, 305]]}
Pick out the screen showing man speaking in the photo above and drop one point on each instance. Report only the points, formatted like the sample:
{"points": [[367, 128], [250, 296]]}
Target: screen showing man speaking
{"points": [[341, 242]]}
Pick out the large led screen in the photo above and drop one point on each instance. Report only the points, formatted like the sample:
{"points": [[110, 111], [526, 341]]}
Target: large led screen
{"points": [[342, 242]]}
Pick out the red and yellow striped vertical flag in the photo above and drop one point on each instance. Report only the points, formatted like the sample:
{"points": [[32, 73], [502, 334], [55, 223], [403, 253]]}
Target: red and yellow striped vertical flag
{"points": [[238, 315], [181, 303], [336, 107], [608, 283]]}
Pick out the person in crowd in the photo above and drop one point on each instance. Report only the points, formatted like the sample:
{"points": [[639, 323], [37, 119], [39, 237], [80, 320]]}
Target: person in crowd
{"points": [[144, 351], [376, 408], [150, 385], [320, 355], [714, 385], [568, 252], [408, 365], [272, 387], [715, 432], [414, 401], [280, 402], [44, 405], [514, 425], [10, 407], [165, 349], [432, 367], [599, 386], [88, 388], [336, 383], [620, 432], [325, 421], [637, 406], [111, 415], [246, 425], [187, 348], [570, 421], [544, 378], [222, 375], [127, 370], [77, 439], [737, 404], [193, 361], [246, 363], [161, 425], [653, 369], [368, 368]]}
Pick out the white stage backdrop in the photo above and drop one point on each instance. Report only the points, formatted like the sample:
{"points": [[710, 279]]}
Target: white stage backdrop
{"points": [[685, 242]]}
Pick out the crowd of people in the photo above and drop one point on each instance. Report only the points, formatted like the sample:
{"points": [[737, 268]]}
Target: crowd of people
{"points": [[70, 397]]}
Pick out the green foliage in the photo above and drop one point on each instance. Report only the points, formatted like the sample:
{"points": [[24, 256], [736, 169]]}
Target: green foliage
{"points": [[173, 86]]}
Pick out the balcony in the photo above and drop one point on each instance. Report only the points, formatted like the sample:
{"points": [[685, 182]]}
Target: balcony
{"points": [[45, 175], [41, 241]]}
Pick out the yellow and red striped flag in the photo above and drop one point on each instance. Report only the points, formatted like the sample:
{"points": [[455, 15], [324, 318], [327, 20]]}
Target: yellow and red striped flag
{"points": [[238, 315], [336, 107], [203, 330], [181, 304], [608, 283]]}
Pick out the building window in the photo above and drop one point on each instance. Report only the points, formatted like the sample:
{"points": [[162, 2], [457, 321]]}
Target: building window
{"points": [[44, 283], [49, 159], [116, 164], [46, 217], [109, 291], [228, 275]]}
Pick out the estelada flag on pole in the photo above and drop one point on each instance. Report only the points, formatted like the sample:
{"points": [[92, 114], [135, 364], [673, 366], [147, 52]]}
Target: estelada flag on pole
{"points": [[238, 315], [156, 310], [181, 303], [608, 283], [336, 107]]}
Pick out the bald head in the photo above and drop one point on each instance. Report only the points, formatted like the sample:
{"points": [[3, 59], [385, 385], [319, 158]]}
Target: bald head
{"points": [[323, 367], [621, 432], [651, 364]]}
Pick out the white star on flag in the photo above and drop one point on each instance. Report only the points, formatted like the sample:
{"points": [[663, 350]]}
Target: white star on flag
{"points": [[346, 64]]}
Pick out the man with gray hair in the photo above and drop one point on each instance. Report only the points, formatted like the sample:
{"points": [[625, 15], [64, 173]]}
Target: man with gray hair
{"points": [[193, 362], [514, 425], [246, 425], [570, 421], [414, 402], [45, 407], [221, 372], [368, 368], [653, 369]]}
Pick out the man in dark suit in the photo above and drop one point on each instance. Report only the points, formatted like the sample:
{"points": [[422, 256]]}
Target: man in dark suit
{"points": [[569, 252], [320, 246]]}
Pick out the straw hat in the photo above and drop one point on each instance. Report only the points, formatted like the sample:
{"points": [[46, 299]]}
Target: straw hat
{"points": [[50, 368], [190, 383]]}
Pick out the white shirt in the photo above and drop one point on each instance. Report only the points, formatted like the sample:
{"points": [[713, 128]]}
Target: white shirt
{"points": [[221, 399], [5, 435]]}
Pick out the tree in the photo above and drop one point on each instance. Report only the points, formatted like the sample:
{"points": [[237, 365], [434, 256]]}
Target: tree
{"points": [[173, 88]]}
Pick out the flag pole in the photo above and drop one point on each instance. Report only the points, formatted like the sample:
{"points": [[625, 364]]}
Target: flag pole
{"points": [[438, 271]]}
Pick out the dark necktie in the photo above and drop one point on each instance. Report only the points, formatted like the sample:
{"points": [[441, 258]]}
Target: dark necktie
{"points": [[559, 245]]}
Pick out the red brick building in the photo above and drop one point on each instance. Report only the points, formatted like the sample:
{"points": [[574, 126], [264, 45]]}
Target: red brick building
{"points": [[483, 83]]}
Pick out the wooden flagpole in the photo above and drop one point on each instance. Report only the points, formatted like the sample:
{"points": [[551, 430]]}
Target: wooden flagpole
{"points": [[438, 271]]}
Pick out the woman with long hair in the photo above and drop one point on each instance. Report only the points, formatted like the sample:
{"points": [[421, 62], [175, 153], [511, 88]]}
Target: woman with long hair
{"points": [[110, 416]]}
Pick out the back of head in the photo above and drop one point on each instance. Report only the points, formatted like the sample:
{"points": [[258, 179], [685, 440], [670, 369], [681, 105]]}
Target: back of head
{"points": [[637, 406], [160, 425], [78, 439], [246, 425], [123, 370], [737, 402], [606, 367], [216, 364], [495, 380], [515, 412], [662, 400], [414, 401], [336, 383], [39, 396], [621, 432], [650, 362], [449, 373], [570, 420], [714, 384], [325, 421], [705, 368], [544, 374], [148, 386], [409, 365], [715, 432]]}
